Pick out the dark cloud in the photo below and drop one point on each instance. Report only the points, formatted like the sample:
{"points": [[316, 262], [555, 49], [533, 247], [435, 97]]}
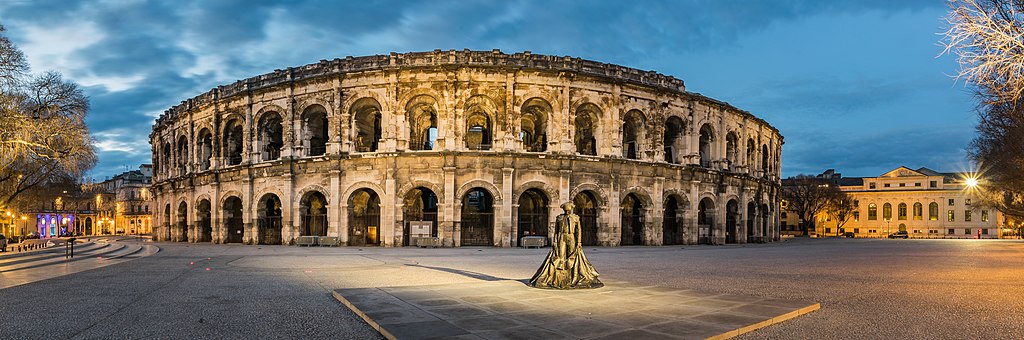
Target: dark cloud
{"points": [[153, 54]]}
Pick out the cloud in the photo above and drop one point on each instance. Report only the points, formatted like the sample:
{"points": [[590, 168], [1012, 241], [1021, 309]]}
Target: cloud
{"points": [[137, 58]]}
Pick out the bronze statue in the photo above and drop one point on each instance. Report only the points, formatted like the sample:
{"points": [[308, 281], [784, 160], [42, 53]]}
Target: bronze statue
{"points": [[566, 267]]}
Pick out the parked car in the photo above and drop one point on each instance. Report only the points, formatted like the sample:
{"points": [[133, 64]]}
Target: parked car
{"points": [[849, 234], [3, 243], [899, 234], [32, 235]]}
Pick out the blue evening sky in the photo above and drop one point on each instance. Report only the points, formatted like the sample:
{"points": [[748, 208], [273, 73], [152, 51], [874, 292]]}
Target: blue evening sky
{"points": [[858, 86]]}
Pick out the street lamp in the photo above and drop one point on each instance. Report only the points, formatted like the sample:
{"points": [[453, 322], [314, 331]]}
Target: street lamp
{"points": [[887, 231]]}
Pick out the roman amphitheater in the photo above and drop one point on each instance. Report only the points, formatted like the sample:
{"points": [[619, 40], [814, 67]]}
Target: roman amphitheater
{"points": [[462, 148]]}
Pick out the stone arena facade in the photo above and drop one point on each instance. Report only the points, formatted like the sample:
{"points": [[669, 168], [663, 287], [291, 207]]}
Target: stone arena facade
{"points": [[463, 148]]}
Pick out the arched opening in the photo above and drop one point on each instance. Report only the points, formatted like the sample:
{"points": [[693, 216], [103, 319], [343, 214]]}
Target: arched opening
{"points": [[533, 125], [167, 222], [751, 155], [313, 211], [182, 155], [477, 223], [707, 137], [887, 211], [419, 214], [478, 131], [364, 218], [268, 223], [232, 147], [901, 211], [706, 221], [588, 210], [632, 134], [204, 227], [88, 226], [421, 112], [533, 214], [903, 227], [204, 149], [587, 118], [751, 217], [367, 124], [732, 216], [632, 218], [764, 159], [731, 149], [918, 211], [672, 221], [180, 233], [765, 214], [933, 211], [166, 162], [233, 220], [270, 136], [314, 128], [674, 142]]}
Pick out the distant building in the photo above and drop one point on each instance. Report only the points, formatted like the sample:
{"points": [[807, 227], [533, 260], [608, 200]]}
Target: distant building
{"points": [[120, 205], [923, 202]]}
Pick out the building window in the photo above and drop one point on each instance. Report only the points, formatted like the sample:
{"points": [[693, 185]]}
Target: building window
{"points": [[828, 230], [903, 185], [886, 185], [933, 211], [856, 230], [872, 212], [856, 203], [933, 231], [782, 215], [967, 215], [887, 211], [950, 231], [967, 201], [984, 215], [967, 231], [951, 202], [856, 215], [917, 184], [871, 185], [951, 217], [902, 211], [984, 231], [918, 211], [933, 184]]}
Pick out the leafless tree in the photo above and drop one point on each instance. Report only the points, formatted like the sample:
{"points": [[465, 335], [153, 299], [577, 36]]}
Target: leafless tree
{"points": [[840, 208], [43, 136], [988, 38], [808, 196]]}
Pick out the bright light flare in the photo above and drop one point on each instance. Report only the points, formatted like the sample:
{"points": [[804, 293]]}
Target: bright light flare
{"points": [[971, 182]]}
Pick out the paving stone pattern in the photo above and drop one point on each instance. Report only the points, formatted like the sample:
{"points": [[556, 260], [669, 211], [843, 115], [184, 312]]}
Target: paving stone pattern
{"points": [[508, 309]]}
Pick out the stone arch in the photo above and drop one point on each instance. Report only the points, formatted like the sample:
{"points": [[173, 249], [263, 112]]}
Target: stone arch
{"points": [[310, 188], [204, 146], [351, 189], [270, 135], [267, 109], [363, 211], [587, 127], [642, 193], [267, 189], [478, 183], [366, 128], [407, 97], [481, 123], [674, 138], [544, 187], [706, 145], [356, 96], [634, 133], [305, 104], [315, 131], [228, 194], [601, 193], [534, 124], [201, 197], [674, 210], [421, 115], [404, 190], [269, 225]]}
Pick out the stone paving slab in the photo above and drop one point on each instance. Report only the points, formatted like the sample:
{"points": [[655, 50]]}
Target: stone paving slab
{"points": [[508, 309]]}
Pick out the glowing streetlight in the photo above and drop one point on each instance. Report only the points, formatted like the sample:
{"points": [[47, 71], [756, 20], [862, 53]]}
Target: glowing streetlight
{"points": [[971, 182]]}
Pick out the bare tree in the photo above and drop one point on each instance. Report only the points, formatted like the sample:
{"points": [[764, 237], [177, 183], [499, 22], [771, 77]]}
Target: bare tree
{"points": [[807, 197], [840, 208], [43, 136], [988, 38]]}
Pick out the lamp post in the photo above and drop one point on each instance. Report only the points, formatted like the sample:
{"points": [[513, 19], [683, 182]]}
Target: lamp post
{"points": [[887, 231]]}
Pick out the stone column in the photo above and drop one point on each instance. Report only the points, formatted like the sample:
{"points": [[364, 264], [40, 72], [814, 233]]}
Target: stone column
{"points": [[505, 235]]}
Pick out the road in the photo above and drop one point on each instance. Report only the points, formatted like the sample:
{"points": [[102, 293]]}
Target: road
{"points": [[882, 289]]}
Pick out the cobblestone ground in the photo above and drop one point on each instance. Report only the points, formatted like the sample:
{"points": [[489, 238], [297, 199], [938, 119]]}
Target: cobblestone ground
{"points": [[950, 289]]}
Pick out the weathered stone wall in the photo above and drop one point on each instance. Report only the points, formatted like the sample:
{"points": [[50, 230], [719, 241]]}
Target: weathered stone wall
{"points": [[737, 162]]}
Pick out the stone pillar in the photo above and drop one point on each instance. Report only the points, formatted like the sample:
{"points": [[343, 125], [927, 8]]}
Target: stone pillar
{"points": [[505, 234], [448, 229], [387, 201], [334, 212], [654, 233]]}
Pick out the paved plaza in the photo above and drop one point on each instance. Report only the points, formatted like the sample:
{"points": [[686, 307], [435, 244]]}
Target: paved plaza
{"points": [[866, 288]]}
